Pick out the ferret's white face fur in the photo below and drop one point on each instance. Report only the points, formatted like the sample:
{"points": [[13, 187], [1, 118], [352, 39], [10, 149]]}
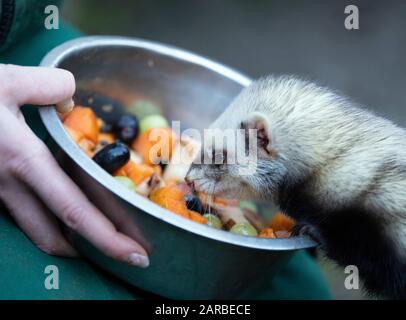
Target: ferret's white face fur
{"points": [[249, 168], [237, 159]]}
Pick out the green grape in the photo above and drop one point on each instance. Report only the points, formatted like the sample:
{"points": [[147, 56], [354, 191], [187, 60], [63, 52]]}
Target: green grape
{"points": [[244, 229], [126, 182], [213, 221], [153, 121], [143, 108]]}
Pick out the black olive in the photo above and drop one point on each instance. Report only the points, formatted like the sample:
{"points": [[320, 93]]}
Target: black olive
{"points": [[127, 128], [106, 108], [112, 157], [193, 203]]}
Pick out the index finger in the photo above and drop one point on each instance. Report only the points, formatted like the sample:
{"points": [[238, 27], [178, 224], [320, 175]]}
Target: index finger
{"points": [[35, 85]]}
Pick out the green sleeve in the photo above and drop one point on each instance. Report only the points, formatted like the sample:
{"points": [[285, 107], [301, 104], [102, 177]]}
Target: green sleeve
{"points": [[21, 19]]}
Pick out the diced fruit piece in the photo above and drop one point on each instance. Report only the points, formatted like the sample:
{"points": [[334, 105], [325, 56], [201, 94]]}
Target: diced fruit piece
{"points": [[87, 146], [171, 198], [280, 221], [230, 215], [229, 224], [244, 229], [282, 234], [155, 182], [84, 120], [143, 108], [75, 134], [197, 217], [63, 116], [106, 108], [153, 121], [140, 172], [184, 152], [100, 123], [136, 172], [193, 203], [155, 145], [127, 182], [213, 221], [106, 138], [169, 192], [157, 170], [143, 188], [267, 233], [150, 185], [135, 157], [112, 157], [127, 128], [248, 205]]}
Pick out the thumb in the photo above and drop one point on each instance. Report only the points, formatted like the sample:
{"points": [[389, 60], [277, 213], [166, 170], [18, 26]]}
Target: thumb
{"points": [[36, 85]]}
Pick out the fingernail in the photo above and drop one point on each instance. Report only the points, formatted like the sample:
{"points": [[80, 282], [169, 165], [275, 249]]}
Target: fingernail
{"points": [[138, 260], [65, 105]]}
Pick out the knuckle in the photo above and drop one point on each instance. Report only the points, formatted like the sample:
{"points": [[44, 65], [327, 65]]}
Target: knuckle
{"points": [[24, 160], [73, 215]]}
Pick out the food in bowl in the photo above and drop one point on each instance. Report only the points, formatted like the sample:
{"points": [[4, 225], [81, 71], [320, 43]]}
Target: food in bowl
{"points": [[138, 148]]}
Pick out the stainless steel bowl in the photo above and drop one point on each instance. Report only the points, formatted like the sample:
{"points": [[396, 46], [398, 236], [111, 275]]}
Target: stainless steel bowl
{"points": [[188, 260]]}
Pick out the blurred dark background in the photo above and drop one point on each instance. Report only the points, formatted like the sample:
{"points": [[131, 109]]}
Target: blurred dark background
{"points": [[258, 37]]}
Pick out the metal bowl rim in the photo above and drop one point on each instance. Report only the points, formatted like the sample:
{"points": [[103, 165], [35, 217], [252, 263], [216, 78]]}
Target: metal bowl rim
{"points": [[58, 133]]}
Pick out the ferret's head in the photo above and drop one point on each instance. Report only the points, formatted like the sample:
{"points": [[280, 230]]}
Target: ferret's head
{"points": [[242, 156]]}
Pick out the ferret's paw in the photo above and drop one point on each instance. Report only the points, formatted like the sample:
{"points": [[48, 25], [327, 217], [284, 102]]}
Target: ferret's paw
{"points": [[308, 230]]}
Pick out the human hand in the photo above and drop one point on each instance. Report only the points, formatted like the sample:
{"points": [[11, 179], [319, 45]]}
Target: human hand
{"points": [[32, 185]]}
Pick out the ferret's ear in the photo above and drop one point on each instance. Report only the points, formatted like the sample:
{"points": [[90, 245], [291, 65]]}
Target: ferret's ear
{"points": [[258, 121]]}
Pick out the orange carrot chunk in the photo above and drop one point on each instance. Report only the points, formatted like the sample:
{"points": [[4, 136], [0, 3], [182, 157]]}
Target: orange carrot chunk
{"points": [[84, 120], [172, 198], [266, 233], [196, 217], [280, 222], [155, 145], [75, 134]]}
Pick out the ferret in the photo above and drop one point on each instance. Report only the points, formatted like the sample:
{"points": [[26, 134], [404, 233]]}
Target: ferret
{"points": [[336, 168]]}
